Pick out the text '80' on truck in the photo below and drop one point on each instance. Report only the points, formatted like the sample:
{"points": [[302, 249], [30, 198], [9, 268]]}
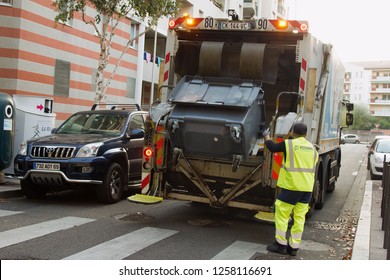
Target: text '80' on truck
{"points": [[226, 82], [99, 149]]}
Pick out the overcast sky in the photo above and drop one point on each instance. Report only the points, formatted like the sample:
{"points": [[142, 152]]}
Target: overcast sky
{"points": [[359, 30]]}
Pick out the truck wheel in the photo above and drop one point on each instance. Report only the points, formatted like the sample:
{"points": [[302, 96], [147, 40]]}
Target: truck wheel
{"points": [[322, 194], [31, 190], [312, 203], [111, 191]]}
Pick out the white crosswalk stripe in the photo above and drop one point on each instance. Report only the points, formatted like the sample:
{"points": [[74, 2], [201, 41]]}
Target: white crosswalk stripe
{"points": [[125, 245], [240, 250], [25, 233], [120, 247], [5, 213]]}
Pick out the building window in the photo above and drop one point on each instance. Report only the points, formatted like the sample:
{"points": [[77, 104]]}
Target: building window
{"points": [[94, 78], [130, 88], [67, 9], [6, 1], [133, 34], [61, 78]]}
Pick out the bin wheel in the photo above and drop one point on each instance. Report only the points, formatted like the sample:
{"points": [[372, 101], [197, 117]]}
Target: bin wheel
{"points": [[235, 164]]}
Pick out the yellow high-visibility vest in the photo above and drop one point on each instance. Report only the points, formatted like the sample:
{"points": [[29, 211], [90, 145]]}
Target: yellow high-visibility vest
{"points": [[298, 170]]}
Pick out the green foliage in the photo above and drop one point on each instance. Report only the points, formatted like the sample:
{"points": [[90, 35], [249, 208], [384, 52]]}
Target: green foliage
{"points": [[363, 120], [150, 10]]}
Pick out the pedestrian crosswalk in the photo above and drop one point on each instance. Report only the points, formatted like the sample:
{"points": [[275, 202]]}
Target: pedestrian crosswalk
{"points": [[117, 248], [4, 213], [25, 233], [125, 245]]}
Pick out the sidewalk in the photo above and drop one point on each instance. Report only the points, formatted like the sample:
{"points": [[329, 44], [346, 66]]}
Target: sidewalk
{"points": [[9, 188], [368, 244]]}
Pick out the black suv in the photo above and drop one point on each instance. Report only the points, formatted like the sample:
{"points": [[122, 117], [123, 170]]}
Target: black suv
{"points": [[100, 148]]}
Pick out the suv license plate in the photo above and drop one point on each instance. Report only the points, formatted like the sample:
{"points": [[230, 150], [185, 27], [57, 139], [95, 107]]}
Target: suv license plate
{"points": [[47, 166]]}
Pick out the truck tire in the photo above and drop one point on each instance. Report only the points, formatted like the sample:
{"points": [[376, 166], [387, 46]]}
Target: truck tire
{"points": [[312, 203], [111, 191], [322, 189], [31, 190]]}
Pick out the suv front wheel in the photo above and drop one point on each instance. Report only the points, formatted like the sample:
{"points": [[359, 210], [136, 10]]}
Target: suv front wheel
{"points": [[111, 191]]}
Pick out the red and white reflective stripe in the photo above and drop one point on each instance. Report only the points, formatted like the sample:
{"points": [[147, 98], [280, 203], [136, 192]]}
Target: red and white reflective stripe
{"points": [[166, 68], [145, 182], [302, 80], [277, 162]]}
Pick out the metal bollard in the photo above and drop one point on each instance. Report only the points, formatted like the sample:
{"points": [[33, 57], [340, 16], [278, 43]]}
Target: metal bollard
{"points": [[385, 208]]}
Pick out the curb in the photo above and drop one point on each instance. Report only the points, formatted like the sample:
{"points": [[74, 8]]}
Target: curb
{"points": [[361, 245]]}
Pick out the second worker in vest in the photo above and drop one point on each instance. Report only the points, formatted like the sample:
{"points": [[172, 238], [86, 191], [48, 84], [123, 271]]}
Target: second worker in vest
{"points": [[296, 180]]}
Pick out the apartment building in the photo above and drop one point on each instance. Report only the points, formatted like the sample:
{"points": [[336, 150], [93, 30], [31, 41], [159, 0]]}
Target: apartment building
{"points": [[357, 84], [374, 80]]}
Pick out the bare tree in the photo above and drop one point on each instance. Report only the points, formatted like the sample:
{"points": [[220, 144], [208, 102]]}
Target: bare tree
{"points": [[109, 14]]}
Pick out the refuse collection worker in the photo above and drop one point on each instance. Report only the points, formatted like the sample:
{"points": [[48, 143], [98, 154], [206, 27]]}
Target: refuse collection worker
{"points": [[296, 180]]}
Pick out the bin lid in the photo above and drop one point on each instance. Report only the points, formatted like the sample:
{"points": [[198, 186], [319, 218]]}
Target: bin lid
{"points": [[215, 91]]}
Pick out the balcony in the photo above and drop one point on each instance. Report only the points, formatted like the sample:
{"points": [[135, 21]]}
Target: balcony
{"points": [[149, 69], [377, 101]]}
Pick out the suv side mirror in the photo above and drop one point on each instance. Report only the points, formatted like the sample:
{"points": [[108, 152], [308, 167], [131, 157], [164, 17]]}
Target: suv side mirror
{"points": [[137, 133]]}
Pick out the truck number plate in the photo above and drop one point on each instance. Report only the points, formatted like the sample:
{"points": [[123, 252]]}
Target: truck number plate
{"points": [[235, 25], [46, 166]]}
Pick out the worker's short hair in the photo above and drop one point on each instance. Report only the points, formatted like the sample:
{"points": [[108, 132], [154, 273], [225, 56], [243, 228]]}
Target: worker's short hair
{"points": [[300, 129]]}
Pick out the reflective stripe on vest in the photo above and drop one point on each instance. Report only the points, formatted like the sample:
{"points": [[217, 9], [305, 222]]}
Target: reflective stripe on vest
{"points": [[292, 167]]}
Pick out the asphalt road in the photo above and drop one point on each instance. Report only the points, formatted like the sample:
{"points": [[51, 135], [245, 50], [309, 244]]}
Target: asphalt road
{"points": [[73, 225]]}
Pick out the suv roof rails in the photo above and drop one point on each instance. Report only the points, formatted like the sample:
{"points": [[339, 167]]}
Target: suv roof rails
{"points": [[130, 107]]}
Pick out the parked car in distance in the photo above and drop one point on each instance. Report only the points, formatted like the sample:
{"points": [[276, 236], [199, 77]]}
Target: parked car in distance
{"points": [[371, 147], [350, 138], [377, 157], [100, 149]]}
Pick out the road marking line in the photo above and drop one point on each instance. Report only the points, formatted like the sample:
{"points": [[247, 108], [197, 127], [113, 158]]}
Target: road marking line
{"points": [[123, 246], [4, 213], [241, 250], [21, 234]]}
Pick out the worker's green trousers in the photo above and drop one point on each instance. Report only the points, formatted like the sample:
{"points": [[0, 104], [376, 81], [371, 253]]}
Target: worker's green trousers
{"points": [[282, 215]]}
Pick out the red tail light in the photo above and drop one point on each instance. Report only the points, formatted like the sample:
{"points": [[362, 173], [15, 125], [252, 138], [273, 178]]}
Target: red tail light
{"points": [[148, 152]]}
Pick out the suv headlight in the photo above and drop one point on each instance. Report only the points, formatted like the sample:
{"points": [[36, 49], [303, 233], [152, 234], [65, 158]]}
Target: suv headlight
{"points": [[378, 160], [22, 149], [89, 150]]}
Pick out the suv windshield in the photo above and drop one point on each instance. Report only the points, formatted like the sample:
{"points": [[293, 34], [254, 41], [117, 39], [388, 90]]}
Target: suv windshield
{"points": [[94, 123]]}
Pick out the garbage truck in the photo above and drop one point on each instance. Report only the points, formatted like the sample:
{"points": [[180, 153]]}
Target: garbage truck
{"points": [[225, 81]]}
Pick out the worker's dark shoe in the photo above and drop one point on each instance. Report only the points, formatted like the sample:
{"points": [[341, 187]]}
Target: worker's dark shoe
{"points": [[291, 251], [275, 247]]}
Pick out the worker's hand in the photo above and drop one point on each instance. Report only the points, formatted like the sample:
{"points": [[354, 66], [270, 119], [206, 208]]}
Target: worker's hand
{"points": [[266, 133]]}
